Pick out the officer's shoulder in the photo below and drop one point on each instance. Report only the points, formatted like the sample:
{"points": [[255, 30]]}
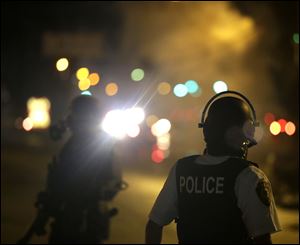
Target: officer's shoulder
{"points": [[187, 159], [253, 173], [245, 162]]}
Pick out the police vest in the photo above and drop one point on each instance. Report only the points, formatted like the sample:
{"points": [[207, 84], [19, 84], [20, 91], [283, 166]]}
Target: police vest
{"points": [[207, 205]]}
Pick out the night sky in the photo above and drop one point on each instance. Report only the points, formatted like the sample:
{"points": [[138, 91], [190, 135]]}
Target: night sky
{"points": [[26, 71]]}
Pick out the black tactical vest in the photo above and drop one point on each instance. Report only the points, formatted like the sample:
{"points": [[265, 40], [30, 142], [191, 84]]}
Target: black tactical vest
{"points": [[207, 205]]}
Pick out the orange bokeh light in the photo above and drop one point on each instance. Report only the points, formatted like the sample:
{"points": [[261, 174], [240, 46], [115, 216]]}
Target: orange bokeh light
{"points": [[290, 128]]}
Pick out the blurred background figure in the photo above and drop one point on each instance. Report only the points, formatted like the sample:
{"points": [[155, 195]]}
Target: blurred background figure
{"points": [[81, 180]]}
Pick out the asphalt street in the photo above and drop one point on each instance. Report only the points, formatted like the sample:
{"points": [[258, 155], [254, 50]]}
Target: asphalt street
{"points": [[23, 176]]}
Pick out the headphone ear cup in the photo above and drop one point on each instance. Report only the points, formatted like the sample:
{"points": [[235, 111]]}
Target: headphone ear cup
{"points": [[249, 132]]}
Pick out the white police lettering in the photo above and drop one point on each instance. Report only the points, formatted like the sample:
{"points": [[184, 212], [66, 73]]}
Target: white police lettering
{"points": [[210, 185]]}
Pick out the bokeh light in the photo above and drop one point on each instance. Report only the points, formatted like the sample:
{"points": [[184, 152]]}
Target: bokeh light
{"points": [[38, 111], [86, 93], [84, 84], [296, 38], [164, 88], [275, 128], [94, 78], [269, 118], [62, 64], [137, 74], [82, 73], [150, 120], [112, 124], [161, 127], [290, 128], [180, 90], [192, 86], [27, 124], [157, 156], [163, 142], [282, 123], [119, 123], [135, 115], [220, 86], [133, 130], [111, 89]]}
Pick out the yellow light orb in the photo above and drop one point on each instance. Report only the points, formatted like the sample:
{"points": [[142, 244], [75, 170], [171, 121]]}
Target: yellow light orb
{"points": [[38, 112], [62, 64], [290, 128], [164, 88], [84, 84], [111, 89], [94, 78], [82, 73], [275, 128]]}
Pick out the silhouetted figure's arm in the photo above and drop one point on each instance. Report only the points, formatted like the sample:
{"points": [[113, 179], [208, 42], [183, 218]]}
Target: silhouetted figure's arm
{"points": [[263, 239], [153, 233]]}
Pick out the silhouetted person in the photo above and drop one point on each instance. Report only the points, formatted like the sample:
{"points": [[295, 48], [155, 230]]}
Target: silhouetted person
{"points": [[81, 179], [218, 197]]}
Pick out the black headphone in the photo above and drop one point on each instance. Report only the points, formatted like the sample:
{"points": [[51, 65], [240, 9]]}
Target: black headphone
{"points": [[254, 121]]}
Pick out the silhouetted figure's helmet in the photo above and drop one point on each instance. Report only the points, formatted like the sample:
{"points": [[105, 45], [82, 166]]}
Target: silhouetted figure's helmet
{"points": [[85, 114], [228, 127]]}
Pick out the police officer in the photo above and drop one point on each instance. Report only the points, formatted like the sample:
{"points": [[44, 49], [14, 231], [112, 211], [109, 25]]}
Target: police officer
{"points": [[218, 197], [82, 176]]}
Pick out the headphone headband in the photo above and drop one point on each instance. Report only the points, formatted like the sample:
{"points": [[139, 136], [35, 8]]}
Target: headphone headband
{"points": [[201, 124]]}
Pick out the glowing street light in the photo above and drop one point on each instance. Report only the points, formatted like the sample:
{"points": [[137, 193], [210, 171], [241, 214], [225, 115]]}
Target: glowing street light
{"points": [[161, 127], [82, 73], [27, 124], [290, 128], [137, 74], [38, 112], [192, 86], [180, 90], [84, 84], [275, 128], [111, 89], [62, 64], [94, 78], [220, 86]]}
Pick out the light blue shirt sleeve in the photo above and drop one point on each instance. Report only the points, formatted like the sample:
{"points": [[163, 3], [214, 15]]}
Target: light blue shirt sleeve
{"points": [[258, 217]]}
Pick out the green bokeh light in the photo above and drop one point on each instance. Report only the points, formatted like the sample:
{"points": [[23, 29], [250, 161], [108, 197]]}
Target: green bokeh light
{"points": [[296, 38], [137, 74]]}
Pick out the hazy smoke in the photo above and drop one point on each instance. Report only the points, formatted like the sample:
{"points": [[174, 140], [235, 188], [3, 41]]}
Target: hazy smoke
{"points": [[205, 41]]}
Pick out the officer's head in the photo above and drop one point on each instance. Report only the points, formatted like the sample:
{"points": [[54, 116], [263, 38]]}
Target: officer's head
{"points": [[228, 126], [85, 114]]}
